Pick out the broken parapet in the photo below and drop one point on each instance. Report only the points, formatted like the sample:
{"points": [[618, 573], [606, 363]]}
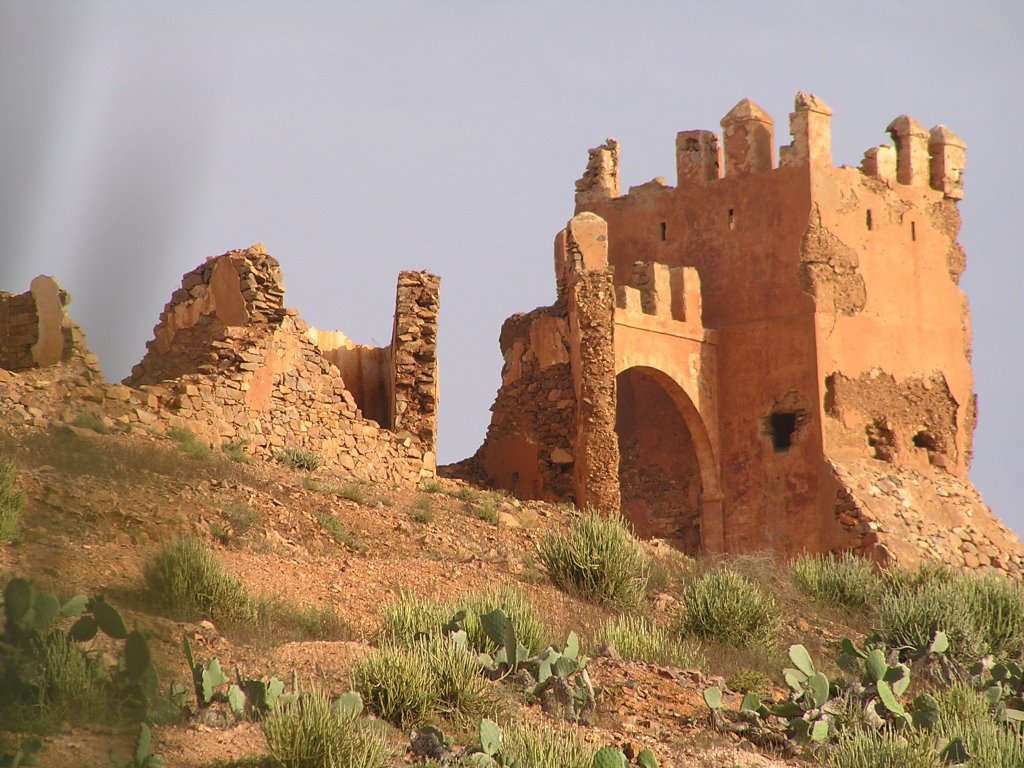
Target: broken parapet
{"points": [[35, 330], [668, 293]]}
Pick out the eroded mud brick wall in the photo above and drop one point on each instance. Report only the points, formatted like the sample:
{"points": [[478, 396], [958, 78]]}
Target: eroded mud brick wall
{"points": [[529, 443], [231, 363], [35, 331]]}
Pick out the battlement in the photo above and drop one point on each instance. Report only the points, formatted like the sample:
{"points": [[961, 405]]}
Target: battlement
{"points": [[668, 293], [917, 157]]}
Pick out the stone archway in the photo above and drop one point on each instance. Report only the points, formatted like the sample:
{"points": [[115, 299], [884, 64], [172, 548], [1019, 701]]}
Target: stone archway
{"points": [[661, 477]]}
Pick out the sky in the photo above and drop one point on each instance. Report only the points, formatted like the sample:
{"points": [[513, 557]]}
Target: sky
{"points": [[358, 139]]}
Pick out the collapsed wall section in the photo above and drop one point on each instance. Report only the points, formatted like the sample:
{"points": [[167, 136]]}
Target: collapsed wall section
{"points": [[35, 331], [231, 364]]}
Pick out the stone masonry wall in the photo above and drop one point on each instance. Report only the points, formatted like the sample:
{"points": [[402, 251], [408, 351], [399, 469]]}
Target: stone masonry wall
{"points": [[35, 330], [231, 364], [535, 348]]}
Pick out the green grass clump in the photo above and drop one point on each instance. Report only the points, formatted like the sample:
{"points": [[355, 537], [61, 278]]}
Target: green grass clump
{"points": [[338, 532], [236, 452], [460, 686], [599, 558], [466, 493], [422, 511], [964, 714], [11, 500], [398, 684], [311, 733], [725, 607], [545, 746], [185, 575], [517, 605], [485, 510], [91, 421], [868, 748], [411, 618], [747, 680], [299, 458], [432, 486], [637, 639], [190, 444], [980, 613], [846, 580]]}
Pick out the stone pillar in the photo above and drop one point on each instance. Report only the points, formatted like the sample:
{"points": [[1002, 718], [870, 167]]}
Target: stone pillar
{"points": [[414, 360], [591, 295], [912, 159], [748, 135], [712, 524], [698, 157], [811, 127], [948, 158]]}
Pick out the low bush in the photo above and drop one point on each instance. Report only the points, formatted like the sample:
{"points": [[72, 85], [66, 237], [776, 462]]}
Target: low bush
{"points": [[964, 714], [397, 684], [846, 580], [410, 618], [184, 575], [460, 687], [11, 500], [914, 611], [485, 510], [190, 444], [299, 458], [310, 732], [422, 510], [91, 421], [724, 607], [338, 532], [516, 604], [868, 748], [546, 746], [599, 558], [637, 639], [236, 452]]}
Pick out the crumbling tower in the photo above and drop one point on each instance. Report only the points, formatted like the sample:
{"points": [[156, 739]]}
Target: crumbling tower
{"points": [[736, 361]]}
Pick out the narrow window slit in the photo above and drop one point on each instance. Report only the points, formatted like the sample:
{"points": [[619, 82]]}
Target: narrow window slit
{"points": [[732, 219], [913, 231], [664, 231], [870, 223]]}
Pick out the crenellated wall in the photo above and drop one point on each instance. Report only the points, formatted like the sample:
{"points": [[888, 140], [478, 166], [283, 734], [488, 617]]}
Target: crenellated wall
{"points": [[785, 333]]}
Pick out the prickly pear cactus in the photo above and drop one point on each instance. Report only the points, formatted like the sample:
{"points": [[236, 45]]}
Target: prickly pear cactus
{"points": [[609, 757]]}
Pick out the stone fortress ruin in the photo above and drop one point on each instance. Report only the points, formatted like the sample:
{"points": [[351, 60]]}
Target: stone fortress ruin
{"points": [[230, 363], [773, 354], [766, 356]]}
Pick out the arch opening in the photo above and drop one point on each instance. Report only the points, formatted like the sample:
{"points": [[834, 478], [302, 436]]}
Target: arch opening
{"points": [[660, 474]]}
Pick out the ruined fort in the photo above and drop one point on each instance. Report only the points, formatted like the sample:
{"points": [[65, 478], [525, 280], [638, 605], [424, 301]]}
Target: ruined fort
{"points": [[772, 354]]}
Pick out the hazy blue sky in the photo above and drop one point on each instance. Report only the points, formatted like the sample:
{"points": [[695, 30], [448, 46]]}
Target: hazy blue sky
{"points": [[358, 139]]}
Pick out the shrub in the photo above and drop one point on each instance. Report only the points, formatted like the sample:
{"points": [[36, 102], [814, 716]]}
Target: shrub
{"points": [[599, 558], [868, 748], [432, 486], [545, 746], [311, 733], [338, 532], [11, 499], [486, 511], [845, 580], [964, 714], [236, 452], [724, 607], [422, 511], [998, 607], [299, 458], [747, 680], [517, 606], [911, 614], [410, 618], [190, 444], [91, 421], [637, 639], [242, 518], [397, 684], [460, 686], [466, 493], [184, 575]]}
